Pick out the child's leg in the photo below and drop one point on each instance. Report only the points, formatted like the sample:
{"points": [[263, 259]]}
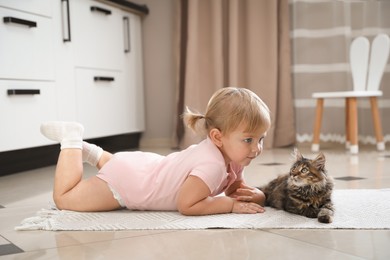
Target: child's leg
{"points": [[73, 193], [70, 191], [95, 155], [106, 156], [91, 153], [70, 135]]}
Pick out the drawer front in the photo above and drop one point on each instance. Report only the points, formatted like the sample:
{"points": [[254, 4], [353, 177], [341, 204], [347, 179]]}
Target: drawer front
{"points": [[134, 73], [23, 106], [26, 47], [97, 35], [103, 103], [40, 7]]}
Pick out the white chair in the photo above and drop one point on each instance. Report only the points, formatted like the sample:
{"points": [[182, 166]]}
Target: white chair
{"points": [[362, 88]]}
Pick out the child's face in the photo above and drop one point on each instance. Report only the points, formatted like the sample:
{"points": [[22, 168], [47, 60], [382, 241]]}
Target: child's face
{"points": [[242, 147]]}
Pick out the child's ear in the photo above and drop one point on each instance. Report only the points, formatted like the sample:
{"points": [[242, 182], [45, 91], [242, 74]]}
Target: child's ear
{"points": [[216, 137]]}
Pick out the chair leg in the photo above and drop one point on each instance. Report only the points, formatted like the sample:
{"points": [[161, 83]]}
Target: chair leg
{"points": [[315, 147], [377, 124], [347, 137], [353, 125]]}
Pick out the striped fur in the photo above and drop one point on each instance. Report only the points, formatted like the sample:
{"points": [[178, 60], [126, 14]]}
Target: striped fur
{"points": [[306, 190]]}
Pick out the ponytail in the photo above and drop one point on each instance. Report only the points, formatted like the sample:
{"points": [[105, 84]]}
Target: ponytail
{"points": [[191, 120]]}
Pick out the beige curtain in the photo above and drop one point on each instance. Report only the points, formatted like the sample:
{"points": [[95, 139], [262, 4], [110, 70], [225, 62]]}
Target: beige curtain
{"points": [[321, 33], [242, 43]]}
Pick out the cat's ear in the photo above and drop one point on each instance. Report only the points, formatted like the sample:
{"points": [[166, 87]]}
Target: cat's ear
{"points": [[297, 154], [319, 162]]}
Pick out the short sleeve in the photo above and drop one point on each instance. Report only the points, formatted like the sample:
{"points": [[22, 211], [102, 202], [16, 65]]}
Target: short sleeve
{"points": [[212, 174]]}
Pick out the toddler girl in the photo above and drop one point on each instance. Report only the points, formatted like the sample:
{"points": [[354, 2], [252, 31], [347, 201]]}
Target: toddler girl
{"points": [[235, 122]]}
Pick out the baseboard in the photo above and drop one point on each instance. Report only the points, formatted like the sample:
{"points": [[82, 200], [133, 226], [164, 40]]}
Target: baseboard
{"points": [[37, 157], [155, 142]]}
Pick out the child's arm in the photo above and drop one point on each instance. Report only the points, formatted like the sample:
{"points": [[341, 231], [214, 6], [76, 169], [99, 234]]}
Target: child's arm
{"points": [[194, 199], [242, 192]]}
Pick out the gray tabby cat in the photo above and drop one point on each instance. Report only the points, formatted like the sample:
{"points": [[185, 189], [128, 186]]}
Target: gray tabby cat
{"points": [[306, 190]]}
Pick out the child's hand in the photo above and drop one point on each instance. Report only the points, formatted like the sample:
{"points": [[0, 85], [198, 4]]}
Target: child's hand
{"points": [[246, 207], [249, 194]]}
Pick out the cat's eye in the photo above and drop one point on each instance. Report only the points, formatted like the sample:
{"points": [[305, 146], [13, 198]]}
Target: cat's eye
{"points": [[304, 170]]}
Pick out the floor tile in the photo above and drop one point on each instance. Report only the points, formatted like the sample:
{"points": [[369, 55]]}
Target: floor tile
{"points": [[9, 249], [368, 244], [222, 244]]}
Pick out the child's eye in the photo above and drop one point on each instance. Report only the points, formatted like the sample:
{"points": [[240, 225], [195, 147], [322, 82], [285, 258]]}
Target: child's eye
{"points": [[248, 140]]}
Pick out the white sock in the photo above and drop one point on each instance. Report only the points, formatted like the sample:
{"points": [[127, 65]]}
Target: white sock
{"points": [[91, 153], [69, 134]]}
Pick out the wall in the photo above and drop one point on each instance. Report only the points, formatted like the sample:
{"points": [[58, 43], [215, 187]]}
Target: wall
{"points": [[159, 72]]}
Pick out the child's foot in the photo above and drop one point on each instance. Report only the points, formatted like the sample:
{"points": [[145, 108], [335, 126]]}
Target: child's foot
{"points": [[69, 134]]}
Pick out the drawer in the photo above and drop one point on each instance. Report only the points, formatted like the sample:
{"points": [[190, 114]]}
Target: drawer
{"points": [[26, 51], [103, 103], [23, 110], [134, 73], [97, 35], [40, 7]]}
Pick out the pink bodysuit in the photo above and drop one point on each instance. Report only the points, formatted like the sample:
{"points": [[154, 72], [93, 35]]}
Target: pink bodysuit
{"points": [[148, 181]]}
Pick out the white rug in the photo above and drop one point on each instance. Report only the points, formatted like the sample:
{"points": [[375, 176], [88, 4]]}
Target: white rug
{"points": [[355, 209]]}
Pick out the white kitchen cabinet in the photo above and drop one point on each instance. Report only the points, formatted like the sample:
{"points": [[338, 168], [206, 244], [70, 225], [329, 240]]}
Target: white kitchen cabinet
{"points": [[39, 7], [134, 72], [84, 57], [24, 105], [106, 44], [26, 46], [96, 35], [27, 73], [103, 113]]}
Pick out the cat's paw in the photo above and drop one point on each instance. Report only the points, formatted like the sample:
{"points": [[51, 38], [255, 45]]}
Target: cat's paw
{"points": [[311, 214], [325, 219]]}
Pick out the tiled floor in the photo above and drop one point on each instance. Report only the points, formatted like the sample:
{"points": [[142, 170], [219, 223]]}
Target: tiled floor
{"points": [[23, 194]]}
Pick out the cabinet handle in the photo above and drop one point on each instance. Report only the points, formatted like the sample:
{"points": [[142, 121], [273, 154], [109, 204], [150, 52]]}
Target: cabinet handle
{"points": [[101, 10], [28, 23], [98, 78], [126, 34], [11, 92], [67, 23]]}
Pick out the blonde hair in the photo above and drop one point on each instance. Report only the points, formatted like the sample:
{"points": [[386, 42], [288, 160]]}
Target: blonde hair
{"points": [[227, 109]]}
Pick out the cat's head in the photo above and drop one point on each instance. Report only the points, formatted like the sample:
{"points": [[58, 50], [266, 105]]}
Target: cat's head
{"points": [[306, 171]]}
